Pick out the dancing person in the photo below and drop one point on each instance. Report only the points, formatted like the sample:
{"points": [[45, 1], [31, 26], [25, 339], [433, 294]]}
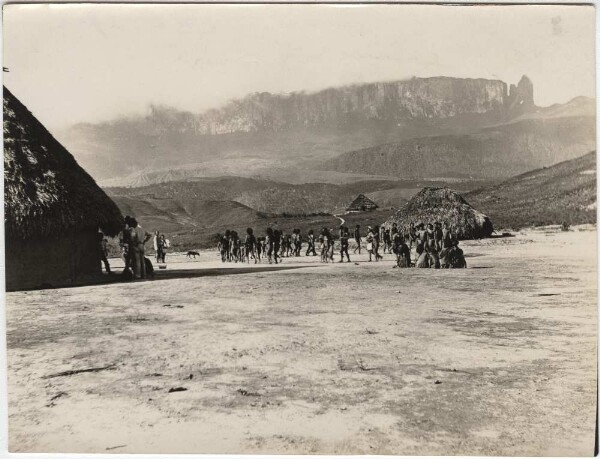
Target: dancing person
{"points": [[376, 242], [344, 243], [249, 245], [311, 244]]}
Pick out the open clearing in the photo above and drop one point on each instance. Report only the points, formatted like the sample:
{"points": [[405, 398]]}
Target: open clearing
{"points": [[497, 359]]}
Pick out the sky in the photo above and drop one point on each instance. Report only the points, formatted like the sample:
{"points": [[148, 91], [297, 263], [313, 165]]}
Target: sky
{"points": [[90, 63]]}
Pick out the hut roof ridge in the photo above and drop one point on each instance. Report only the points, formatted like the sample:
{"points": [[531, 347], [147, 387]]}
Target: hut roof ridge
{"points": [[46, 193]]}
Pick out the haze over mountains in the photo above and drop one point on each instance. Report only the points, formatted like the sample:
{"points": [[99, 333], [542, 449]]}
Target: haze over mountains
{"points": [[293, 158], [423, 128]]}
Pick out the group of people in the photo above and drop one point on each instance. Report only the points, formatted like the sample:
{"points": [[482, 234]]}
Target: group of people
{"points": [[273, 246], [132, 241], [422, 246], [434, 245]]}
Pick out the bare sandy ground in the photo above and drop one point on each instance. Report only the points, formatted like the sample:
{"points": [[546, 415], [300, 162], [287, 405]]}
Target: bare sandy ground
{"points": [[498, 359]]}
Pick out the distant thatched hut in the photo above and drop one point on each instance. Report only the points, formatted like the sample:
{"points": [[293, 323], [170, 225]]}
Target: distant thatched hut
{"points": [[52, 207], [361, 204], [444, 205]]}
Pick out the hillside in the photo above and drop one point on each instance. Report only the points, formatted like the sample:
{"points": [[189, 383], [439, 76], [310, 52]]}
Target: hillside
{"points": [[498, 151], [271, 197], [293, 130], [551, 195], [195, 211]]}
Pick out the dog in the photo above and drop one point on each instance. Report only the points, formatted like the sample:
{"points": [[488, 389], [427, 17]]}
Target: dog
{"points": [[191, 254]]}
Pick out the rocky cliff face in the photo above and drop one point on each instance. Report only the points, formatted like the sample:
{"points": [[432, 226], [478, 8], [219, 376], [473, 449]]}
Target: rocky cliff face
{"points": [[391, 102], [298, 128], [520, 97]]}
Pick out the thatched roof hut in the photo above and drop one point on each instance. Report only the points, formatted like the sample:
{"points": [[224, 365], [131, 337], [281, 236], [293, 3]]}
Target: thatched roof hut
{"points": [[50, 202], [361, 204], [444, 205]]}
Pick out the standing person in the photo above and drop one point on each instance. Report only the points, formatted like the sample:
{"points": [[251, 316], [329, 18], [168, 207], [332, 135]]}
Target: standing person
{"points": [[311, 243], [370, 240], [270, 244], [344, 243], [103, 248], [431, 248], [298, 242], [159, 245], [259, 248], [164, 245], [277, 239], [125, 243], [396, 241], [411, 236], [357, 238], [223, 246], [376, 242], [294, 244], [324, 239], [330, 233], [387, 241], [229, 244], [139, 237], [249, 244], [446, 236], [421, 239], [234, 246], [438, 234]]}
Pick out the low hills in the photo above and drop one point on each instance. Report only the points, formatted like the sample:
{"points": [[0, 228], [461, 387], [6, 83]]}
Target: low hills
{"points": [[493, 152], [563, 192], [192, 213]]}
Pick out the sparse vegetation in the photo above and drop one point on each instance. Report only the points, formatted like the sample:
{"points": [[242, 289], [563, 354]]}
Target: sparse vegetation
{"points": [[563, 193]]}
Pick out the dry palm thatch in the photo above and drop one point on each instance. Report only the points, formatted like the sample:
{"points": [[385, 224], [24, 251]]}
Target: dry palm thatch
{"points": [[46, 193], [444, 205]]}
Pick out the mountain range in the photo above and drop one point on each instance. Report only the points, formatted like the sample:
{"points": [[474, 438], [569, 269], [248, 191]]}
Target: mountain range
{"points": [[422, 128]]}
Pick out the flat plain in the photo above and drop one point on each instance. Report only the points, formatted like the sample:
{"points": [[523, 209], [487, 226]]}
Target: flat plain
{"points": [[353, 358]]}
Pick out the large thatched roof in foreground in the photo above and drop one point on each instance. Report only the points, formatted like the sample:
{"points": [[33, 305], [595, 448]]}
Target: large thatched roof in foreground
{"points": [[444, 205], [46, 193]]}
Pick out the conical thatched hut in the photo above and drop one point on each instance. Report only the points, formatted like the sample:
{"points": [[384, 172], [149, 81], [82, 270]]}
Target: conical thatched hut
{"points": [[52, 208], [432, 205], [361, 204]]}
